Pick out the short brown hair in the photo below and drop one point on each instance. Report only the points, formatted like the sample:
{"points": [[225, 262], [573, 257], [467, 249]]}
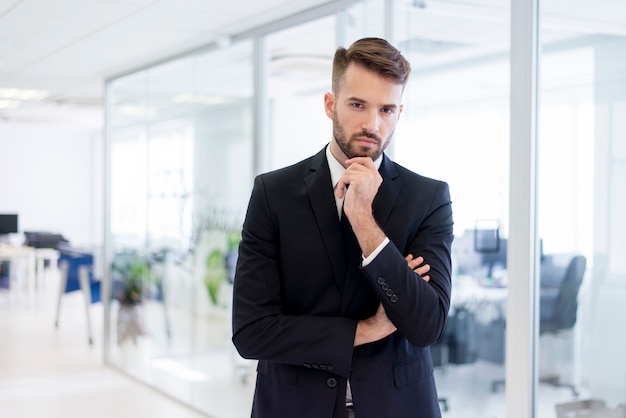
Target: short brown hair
{"points": [[374, 54]]}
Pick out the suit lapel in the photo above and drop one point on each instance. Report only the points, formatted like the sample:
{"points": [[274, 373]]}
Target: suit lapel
{"points": [[387, 194], [319, 188]]}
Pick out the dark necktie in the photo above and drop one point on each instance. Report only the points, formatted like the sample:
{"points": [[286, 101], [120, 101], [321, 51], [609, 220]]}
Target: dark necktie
{"points": [[351, 246]]}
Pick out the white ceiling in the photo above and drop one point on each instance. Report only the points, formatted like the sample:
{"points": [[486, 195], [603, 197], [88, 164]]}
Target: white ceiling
{"points": [[69, 47]]}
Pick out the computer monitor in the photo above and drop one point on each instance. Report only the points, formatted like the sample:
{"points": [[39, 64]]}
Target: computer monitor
{"points": [[8, 224], [478, 252], [487, 240]]}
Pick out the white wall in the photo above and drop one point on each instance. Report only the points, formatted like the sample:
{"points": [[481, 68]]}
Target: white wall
{"points": [[51, 175]]}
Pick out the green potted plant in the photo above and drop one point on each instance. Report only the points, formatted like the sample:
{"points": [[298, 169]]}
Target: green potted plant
{"points": [[215, 275], [132, 279]]}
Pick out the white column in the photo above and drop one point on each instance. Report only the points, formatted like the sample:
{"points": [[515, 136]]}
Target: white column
{"points": [[522, 310]]}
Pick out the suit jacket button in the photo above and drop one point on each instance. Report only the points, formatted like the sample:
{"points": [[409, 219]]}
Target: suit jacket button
{"points": [[331, 382], [380, 280], [384, 286], [330, 367], [394, 298], [389, 292], [307, 365]]}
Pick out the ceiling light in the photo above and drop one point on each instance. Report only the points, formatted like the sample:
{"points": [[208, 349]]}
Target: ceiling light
{"points": [[136, 111], [199, 99], [9, 104], [22, 94]]}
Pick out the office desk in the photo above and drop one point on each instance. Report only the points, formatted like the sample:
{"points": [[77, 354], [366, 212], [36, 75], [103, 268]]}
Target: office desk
{"points": [[14, 254], [468, 292], [476, 322], [42, 255]]}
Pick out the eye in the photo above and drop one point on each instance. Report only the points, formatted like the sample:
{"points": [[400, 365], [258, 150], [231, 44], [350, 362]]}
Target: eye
{"points": [[357, 105], [388, 110]]}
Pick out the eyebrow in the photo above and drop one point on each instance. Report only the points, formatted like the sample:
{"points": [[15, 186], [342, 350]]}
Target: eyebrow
{"points": [[357, 99]]}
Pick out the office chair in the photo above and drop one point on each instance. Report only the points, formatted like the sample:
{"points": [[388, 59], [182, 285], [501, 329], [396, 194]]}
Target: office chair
{"points": [[559, 291], [561, 276], [76, 274], [457, 344]]}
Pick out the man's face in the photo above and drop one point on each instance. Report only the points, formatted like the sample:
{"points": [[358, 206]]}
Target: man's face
{"points": [[364, 111]]}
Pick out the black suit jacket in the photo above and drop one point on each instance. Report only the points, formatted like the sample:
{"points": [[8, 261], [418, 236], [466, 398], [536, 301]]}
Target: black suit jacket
{"points": [[295, 307]]}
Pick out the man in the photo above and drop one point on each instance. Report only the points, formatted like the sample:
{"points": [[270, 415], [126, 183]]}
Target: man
{"points": [[340, 320]]}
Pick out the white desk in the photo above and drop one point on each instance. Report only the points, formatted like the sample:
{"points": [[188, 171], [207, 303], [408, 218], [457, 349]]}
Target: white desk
{"points": [[14, 254], [486, 302], [41, 255], [466, 289]]}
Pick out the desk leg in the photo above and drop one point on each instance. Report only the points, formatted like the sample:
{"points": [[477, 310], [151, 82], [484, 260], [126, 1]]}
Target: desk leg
{"points": [[32, 265], [83, 277], [62, 285], [40, 272]]}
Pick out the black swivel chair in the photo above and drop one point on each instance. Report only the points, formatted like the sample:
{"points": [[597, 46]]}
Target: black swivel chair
{"points": [[457, 344], [560, 278]]}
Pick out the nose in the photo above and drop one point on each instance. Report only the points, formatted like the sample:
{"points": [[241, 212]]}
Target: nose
{"points": [[371, 122]]}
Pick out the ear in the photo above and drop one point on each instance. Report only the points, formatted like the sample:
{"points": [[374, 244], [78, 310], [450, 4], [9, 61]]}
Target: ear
{"points": [[329, 104]]}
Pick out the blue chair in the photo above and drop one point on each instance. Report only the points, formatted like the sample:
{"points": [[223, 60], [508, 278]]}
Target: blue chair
{"points": [[77, 274]]}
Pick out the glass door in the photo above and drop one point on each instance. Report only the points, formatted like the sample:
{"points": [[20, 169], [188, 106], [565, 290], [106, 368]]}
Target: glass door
{"points": [[455, 127], [180, 168]]}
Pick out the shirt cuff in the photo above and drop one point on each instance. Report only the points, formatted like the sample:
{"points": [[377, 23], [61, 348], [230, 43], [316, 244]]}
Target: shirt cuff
{"points": [[372, 256]]}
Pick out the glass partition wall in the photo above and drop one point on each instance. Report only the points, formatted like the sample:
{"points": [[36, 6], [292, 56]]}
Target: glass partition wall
{"points": [[181, 167], [185, 138], [456, 128], [581, 202]]}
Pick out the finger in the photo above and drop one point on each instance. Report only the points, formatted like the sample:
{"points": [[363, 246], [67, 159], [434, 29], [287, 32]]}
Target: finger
{"points": [[426, 278], [341, 188], [417, 261], [364, 161]]}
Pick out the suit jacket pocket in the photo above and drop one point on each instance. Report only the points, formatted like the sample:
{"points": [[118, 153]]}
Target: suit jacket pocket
{"points": [[412, 370], [282, 372]]}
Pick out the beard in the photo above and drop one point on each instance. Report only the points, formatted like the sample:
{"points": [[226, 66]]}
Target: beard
{"points": [[351, 148]]}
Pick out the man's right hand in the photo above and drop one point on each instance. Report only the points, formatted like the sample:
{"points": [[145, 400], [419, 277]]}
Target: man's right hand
{"points": [[373, 328]]}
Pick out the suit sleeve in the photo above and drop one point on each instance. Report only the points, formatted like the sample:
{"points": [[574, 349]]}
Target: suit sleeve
{"points": [[261, 329], [418, 308]]}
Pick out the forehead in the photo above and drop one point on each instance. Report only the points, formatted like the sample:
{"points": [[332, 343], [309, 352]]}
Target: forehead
{"points": [[359, 82]]}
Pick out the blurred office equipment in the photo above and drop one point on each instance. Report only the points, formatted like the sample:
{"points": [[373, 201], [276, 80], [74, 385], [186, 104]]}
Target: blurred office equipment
{"points": [[589, 408], [561, 276], [38, 239], [17, 263], [560, 280], [481, 253], [457, 344], [46, 245], [9, 224]]}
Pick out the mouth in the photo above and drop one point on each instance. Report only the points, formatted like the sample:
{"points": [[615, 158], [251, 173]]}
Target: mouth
{"points": [[366, 141]]}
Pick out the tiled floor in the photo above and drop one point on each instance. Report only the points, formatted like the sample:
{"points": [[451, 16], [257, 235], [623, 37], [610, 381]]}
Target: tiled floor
{"points": [[47, 372]]}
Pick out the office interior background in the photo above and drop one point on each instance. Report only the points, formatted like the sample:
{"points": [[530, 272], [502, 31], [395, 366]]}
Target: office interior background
{"points": [[140, 125]]}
